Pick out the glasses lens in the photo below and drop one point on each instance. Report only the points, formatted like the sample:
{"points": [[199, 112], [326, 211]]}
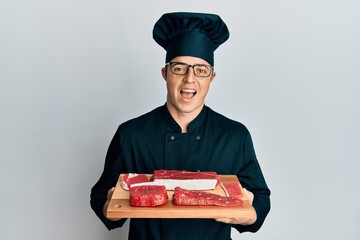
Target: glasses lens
{"points": [[202, 70], [178, 68]]}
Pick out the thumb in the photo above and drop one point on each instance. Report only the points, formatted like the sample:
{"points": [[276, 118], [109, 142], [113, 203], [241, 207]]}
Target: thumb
{"points": [[249, 195]]}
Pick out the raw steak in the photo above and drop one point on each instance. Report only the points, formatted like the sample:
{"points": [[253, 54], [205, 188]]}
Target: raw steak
{"points": [[131, 178], [232, 189], [183, 174], [200, 198], [185, 179], [148, 196]]}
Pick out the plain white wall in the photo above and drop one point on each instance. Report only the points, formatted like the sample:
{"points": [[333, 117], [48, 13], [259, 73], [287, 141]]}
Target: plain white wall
{"points": [[71, 71]]}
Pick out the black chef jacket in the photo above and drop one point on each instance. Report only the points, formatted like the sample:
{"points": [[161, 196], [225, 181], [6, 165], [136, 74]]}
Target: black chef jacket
{"points": [[154, 141]]}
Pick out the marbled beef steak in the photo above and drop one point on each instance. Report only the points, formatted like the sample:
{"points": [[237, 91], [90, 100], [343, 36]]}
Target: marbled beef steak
{"points": [[148, 196], [201, 198]]}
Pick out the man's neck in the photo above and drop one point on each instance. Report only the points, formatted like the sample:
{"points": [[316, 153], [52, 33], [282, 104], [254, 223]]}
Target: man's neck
{"points": [[183, 118]]}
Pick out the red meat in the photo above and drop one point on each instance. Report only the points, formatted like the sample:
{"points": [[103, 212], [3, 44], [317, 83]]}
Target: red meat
{"points": [[201, 198], [148, 196], [232, 189], [131, 178], [183, 174]]}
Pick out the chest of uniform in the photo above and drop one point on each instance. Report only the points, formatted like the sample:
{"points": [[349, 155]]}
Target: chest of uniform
{"points": [[183, 151]]}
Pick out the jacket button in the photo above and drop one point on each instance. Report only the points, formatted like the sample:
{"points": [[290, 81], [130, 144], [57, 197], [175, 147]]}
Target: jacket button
{"points": [[172, 137], [197, 137]]}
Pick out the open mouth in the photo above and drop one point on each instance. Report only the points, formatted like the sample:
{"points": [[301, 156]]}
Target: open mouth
{"points": [[188, 93]]}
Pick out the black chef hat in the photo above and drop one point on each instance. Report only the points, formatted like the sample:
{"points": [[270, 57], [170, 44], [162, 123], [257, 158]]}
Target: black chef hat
{"points": [[190, 34]]}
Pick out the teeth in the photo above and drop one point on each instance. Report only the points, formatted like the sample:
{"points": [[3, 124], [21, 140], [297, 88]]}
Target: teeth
{"points": [[188, 90]]}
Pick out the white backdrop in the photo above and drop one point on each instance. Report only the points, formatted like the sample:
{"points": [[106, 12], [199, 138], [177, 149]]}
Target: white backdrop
{"points": [[71, 71]]}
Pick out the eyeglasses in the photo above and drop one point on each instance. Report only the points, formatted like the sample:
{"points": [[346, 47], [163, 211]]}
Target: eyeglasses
{"points": [[200, 70]]}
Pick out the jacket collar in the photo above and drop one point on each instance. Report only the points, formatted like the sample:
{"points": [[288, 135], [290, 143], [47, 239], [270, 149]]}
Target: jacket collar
{"points": [[192, 127]]}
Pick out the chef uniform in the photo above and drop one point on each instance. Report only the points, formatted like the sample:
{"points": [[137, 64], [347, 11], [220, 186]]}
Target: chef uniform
{"points": [[212, 142]]}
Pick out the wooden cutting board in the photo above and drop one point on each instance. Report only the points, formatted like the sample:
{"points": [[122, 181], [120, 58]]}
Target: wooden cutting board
{"points": [[119, 206]]}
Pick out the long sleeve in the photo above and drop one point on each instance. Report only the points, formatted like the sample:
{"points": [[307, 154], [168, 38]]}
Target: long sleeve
{"points": [[252, 179], [107, 180]]}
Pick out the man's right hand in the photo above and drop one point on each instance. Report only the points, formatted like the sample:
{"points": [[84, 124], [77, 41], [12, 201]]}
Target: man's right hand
{"points": [[106, 205]]}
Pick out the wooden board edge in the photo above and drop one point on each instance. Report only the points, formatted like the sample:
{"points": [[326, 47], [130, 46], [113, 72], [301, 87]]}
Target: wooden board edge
{"points": [[115, 210]]}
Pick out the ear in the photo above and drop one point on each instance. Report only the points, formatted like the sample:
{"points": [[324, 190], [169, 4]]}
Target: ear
{"points": [[164, 73], [213, 75]]}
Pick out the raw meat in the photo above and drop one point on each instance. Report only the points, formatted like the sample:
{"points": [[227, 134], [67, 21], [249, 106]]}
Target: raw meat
{"points": [[232, 189], [190, 184], [132, 178], [200, 198], [185, 179], [183, 174], [148, 196]]}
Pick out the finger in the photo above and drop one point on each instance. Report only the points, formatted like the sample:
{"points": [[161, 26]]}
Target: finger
{"points": [[110, 193], [249, 195], [224, 220], [228, 220]]}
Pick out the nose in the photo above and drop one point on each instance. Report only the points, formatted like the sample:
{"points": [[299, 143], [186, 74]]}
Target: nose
{"points": [[190, 75]]}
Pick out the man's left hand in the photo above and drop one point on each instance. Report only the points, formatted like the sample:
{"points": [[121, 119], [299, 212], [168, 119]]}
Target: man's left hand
{"points": [[241, 220]]}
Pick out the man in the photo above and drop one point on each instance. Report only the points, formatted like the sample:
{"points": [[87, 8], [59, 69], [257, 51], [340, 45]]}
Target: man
{"points": [[184, 134]]}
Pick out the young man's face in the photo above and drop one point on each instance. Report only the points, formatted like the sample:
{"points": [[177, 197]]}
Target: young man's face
{"points": [[186, 93]]}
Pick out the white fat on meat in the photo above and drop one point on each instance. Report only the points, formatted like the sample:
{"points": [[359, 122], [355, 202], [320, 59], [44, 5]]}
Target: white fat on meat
{"points": [[124, 184], [189, 184]]}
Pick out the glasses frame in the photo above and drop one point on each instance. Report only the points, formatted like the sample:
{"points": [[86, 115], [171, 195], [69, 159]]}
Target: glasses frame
{"points": [[190, 66]]}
